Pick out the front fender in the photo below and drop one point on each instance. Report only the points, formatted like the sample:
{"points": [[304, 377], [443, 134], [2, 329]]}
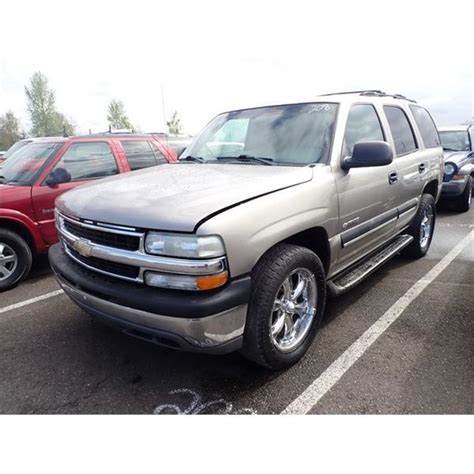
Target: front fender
{"points": [[27, 224], [252, 228], [466, 170]]}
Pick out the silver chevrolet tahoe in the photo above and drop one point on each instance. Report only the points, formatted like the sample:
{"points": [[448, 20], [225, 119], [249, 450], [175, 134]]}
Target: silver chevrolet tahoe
{"points": [[268, 211]]}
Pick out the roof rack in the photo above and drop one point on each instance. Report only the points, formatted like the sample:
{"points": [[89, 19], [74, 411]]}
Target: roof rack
{"points": [[365, 91], [374, 93]]}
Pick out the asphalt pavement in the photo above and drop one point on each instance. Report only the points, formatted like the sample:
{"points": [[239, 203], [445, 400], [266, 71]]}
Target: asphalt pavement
{"points": [[56, 359]]}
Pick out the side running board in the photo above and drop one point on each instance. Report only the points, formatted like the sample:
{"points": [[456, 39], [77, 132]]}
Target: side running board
{"points": [[349, 280]]}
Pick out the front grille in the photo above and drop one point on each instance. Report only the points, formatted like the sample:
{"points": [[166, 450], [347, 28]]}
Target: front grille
{"points": [[110, 239], [114, 268]]}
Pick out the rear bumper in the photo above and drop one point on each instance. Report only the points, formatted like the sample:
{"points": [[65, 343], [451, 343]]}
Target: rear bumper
{"points": [[211, 322]]}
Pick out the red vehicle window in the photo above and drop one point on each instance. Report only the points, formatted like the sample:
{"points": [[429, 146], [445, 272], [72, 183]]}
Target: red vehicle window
{"points": [[160, 158], [88, 160], [139, 154], [23, 167]]}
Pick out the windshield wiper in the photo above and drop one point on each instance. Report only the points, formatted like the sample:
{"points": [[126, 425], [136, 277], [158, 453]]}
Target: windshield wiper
{"points": [[3, 180], [445, 148], [196, 159], [260, 159]]}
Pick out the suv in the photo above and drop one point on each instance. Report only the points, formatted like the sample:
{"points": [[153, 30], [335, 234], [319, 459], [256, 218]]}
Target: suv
{"points": [[38, 172], [458, 145], [235, 246]]}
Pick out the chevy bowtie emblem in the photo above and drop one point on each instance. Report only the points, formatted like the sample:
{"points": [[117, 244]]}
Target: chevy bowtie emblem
{"points": [[82, 248]]}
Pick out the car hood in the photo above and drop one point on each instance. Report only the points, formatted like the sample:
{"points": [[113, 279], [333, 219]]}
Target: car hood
{"points": [[176, 197]]}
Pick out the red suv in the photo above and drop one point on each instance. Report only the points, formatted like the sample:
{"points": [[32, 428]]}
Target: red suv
{"points": [[35, 175]]}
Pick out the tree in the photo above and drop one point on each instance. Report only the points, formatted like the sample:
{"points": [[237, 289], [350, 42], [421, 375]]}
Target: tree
{"points": [[68, 127], [116, 116], [174, 124], [9, 130], [41, 104]]}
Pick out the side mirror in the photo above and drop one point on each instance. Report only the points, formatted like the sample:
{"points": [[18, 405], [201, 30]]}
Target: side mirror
{"points": [[369, 154], [58, 176]]}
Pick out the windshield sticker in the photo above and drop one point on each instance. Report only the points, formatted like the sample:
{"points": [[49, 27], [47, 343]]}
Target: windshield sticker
{"points": [[319, 108]]}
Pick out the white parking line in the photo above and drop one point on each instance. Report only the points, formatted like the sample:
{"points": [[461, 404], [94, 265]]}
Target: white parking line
{"points": [[30, 301], [313, 394]]}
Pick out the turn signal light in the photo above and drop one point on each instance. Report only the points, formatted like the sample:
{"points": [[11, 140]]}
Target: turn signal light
{"points": [[209, 282], [186, 282]]}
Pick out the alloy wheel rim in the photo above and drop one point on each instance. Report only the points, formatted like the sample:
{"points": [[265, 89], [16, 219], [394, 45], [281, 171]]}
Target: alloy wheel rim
{"points": [[426, 228], [8, 261], [293, 310]]}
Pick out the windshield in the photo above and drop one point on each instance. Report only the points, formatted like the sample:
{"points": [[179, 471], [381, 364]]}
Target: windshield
{"points": [[22, 167], [455, 140], [297, 134], [16, 146]]}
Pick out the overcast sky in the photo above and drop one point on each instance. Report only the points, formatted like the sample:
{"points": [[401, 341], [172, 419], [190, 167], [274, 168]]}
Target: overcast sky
{"points": [[208, 57]]}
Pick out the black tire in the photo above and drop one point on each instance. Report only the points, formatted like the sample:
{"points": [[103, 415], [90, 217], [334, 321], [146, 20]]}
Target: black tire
{"points": [[416, 249], [267, 278], [18, 247], [463, 202]]}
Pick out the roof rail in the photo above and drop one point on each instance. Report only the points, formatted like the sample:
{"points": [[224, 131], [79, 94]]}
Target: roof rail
{"points": [[373, 92], [366, 91], [384, 94]]}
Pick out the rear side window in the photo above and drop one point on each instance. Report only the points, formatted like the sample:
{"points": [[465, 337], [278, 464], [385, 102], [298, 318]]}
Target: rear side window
{"points": [[88, 160], [363, 125], [427, 127], [139, 154], [401, 130]]}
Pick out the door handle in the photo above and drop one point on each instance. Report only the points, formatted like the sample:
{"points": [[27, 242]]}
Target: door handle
{"points": [[393, 177], [421, 168]]}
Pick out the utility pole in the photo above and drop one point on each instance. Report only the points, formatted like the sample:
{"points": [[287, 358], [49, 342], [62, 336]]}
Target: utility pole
{"points": [[163, 107]]}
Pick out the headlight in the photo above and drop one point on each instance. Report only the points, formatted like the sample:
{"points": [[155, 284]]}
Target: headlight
{"points": [[184, 246], [450, 169]]}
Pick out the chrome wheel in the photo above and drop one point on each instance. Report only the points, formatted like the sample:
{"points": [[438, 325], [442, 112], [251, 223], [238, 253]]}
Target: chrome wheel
{"points": [[8, 261], [293, 310], [426, 228]]}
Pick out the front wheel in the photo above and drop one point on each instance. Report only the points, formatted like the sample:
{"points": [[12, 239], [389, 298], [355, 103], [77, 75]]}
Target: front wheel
{"points": [[422, 227], [463, 202], [15, 259], [286, 306]]}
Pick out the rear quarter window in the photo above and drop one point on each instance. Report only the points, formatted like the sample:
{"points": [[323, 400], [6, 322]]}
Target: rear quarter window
{"points": [[160, 158], [427, 127], [401, 129], [139, 154]]}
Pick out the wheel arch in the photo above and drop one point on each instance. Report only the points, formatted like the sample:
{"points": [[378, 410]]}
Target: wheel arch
{"points": [[432, 187], [314, 239], [22, 230]]}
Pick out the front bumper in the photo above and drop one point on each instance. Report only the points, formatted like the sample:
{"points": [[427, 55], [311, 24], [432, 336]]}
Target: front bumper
{"points": [[211, 322], [453, 188]]}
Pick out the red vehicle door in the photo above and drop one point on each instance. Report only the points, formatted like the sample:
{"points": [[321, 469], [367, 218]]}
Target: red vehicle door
{"points": [[82, 161]]}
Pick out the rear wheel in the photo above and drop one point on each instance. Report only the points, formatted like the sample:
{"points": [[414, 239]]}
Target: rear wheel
{"points": [[463, 202], [15, 259], [422, 227], [286, 306]]}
